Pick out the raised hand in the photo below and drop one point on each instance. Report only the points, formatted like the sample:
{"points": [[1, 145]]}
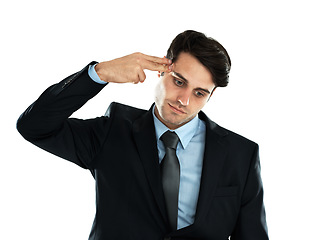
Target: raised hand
{"points": [[131, 68]]}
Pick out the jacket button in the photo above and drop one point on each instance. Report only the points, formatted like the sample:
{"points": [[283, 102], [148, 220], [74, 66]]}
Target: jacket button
{"points": [[67, 82]]}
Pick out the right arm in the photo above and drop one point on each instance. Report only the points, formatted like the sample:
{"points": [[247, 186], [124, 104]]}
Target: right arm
{"points": [[46, 122]]}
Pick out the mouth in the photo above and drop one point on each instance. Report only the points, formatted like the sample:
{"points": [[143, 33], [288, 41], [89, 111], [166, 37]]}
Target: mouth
{"points": [[176, 110]]}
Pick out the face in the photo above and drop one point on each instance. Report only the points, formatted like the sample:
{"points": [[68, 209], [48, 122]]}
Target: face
{"points": [[181, 94]]}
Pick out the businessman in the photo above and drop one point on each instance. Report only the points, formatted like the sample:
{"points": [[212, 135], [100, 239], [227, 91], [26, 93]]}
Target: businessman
{"points": [[164, 173]]}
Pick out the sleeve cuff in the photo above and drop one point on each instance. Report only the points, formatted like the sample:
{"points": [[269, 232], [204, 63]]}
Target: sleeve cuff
{"points": [[94, 76]]}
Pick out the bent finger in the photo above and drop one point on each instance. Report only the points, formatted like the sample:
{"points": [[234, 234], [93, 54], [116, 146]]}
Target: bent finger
{"points": [[142, 76]]}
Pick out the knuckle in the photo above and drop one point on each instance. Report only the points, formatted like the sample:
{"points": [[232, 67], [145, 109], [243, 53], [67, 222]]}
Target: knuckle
{"points": [[138, 68], [138, 58], [137, 54], [138, 61]]}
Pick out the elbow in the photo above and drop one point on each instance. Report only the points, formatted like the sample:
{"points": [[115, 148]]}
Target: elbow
{"points": [[22, 125]]}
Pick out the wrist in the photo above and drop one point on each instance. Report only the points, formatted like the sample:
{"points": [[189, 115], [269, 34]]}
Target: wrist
{"points": [[100, 70]]}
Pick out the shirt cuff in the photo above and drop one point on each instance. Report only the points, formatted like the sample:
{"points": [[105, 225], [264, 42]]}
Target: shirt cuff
{"points": [[94, 76]]}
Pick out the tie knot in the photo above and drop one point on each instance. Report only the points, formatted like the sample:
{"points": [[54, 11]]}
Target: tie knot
{"points": [[170, 139]]}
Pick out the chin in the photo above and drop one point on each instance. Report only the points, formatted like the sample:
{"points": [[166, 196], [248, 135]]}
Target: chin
{"points": [[170, 119], [173, 123]]}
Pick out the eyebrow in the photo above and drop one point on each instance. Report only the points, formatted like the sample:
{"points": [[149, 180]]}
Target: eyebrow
{"points": [[179, 75]]}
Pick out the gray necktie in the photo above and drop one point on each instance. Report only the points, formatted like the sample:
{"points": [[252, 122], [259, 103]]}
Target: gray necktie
{"points": [[170, 173]]}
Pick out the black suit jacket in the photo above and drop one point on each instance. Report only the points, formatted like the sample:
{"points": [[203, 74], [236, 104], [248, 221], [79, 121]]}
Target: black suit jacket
{"points": [[120, 151]]}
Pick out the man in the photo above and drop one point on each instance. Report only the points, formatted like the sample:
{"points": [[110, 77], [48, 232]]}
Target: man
{"points": [[166, 173]]}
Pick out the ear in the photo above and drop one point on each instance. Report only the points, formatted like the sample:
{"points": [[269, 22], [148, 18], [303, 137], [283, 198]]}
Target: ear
{"points": [[160, 74]]}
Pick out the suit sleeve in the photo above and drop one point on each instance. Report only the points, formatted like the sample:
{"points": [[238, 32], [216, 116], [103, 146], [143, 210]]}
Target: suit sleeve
{"points": [[46, 122], [251, 222]]}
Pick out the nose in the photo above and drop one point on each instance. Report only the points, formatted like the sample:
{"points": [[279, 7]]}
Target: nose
{"points": [[183, 98]]}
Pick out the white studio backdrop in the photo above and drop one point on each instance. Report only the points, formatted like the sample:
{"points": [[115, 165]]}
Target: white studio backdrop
{"points": [[267, 100]]}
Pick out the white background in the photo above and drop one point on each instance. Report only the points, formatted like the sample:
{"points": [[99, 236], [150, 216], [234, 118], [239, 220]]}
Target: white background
{"points": [[267, 100]]}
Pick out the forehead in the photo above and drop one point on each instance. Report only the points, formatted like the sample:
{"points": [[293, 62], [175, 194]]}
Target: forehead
{"points": [[193, 71]]}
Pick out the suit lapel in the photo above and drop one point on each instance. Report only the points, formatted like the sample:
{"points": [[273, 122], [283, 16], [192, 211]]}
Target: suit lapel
{"points": [[144, 135], [214, 157]]}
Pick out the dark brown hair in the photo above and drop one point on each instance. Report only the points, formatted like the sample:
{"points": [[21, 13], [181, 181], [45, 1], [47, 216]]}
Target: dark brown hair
{"points": [[207, 50]]}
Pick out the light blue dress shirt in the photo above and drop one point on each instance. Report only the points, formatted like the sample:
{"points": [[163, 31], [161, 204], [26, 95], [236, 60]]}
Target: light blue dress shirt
{"points": [[93, 74], [190, 151]]}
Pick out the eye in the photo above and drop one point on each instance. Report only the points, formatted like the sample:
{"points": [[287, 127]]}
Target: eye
{"points": [[178, 82], [199, 94]]}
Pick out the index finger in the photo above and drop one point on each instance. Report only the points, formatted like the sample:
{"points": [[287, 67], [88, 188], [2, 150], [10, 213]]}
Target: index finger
{"points": [[159, 60], [154, 66], [156, 63]]}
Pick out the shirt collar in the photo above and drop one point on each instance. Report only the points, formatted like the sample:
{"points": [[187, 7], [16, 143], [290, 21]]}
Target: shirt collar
{"points": [[185, 132]]}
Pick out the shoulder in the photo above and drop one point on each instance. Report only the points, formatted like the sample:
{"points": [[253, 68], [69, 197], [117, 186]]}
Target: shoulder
{"points": [[232, 137], [118, 110]]}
